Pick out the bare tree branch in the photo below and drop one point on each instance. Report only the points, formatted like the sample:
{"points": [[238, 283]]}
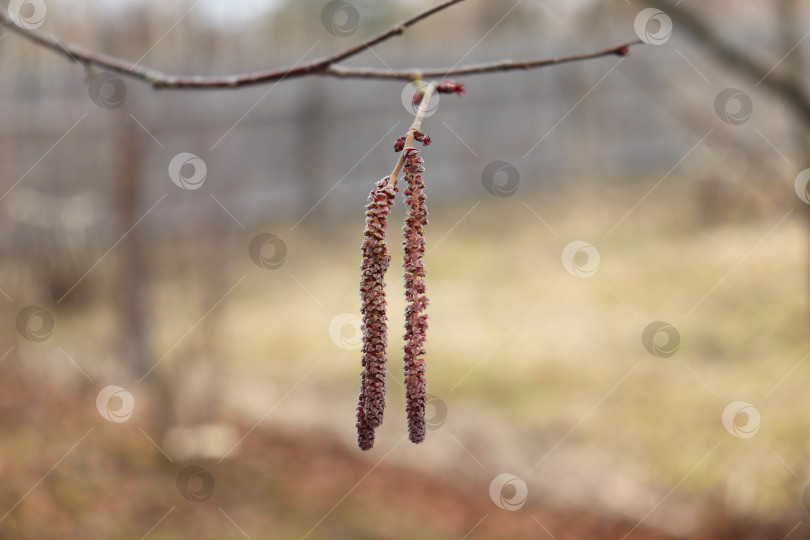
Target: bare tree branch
{"points": [[323, 66], [391, 32], [478, 69], [788, 89]]}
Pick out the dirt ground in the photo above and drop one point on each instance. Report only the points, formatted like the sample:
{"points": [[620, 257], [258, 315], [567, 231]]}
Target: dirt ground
{"points": [[68, 473]]}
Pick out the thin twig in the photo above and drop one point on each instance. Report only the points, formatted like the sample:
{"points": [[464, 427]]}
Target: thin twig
{"points": [[395, 30], [477, 69], [416, 126], [325, 66]]}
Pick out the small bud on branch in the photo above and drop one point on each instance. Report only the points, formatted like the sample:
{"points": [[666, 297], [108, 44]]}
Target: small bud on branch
{"points": [[624, 50], [399, 144], [421, 137], [448, 86]]}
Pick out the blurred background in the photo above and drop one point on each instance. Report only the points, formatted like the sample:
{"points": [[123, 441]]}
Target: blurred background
{"points": [[617, 268]]}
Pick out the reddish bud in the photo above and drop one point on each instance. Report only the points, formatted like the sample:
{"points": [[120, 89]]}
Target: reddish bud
{"points": [[450, 87], [399, 145], [622, 51], [421, 137]]}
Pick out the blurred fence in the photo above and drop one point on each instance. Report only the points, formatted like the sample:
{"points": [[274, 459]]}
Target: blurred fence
{"points": [[313, 147], [78, 172]]}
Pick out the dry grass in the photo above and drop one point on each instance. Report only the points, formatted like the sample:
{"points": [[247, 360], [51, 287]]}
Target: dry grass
{"points": [[521, 349]]}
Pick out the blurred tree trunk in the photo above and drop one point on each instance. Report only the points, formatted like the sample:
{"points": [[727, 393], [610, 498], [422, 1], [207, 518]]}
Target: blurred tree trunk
{"points": [[792, 32], [784, 81], [788, 88], [132, 268], [133, 278]]}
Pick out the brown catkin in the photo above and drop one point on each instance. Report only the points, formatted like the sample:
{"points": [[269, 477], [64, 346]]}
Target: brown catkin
{"points": [[372, 292], [415, 321], [365, 433]]}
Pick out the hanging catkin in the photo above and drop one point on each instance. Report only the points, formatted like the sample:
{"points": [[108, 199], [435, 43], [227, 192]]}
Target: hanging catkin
{"points": [[372, 291], [415, 320], [375, 263]]}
